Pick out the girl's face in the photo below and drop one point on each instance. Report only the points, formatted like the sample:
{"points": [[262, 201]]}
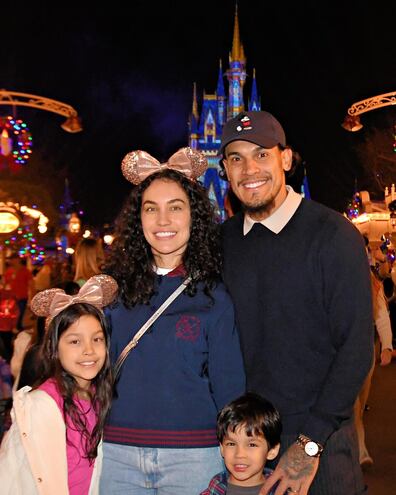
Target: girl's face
{"points": [[82, 350], [166, 221]]}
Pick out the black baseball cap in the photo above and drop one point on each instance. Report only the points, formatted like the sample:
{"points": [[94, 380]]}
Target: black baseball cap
{"points": [[260, 128]]}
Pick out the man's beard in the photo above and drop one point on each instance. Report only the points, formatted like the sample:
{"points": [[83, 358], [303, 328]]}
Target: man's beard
{"points": [[260, 208]]}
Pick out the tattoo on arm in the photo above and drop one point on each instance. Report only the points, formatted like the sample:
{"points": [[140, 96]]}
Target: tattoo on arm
{"points": [[297, 464]]}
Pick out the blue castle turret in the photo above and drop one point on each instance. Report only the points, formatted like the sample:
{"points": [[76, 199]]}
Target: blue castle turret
{"points": [[254, 101], [206, 129]]}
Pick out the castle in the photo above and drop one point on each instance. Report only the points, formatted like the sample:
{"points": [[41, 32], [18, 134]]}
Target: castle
{"points": [[205, 128], [378, 218]]}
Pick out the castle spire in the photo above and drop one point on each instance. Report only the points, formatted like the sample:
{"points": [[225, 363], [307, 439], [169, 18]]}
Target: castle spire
{"points": [[237, 52], [221, 98], [195, 104], [194, 120], [236, 74], [254, 102], [220, 83]]}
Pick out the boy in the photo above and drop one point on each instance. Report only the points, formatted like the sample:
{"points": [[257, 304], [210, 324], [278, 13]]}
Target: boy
{"points": [[248, 430]]}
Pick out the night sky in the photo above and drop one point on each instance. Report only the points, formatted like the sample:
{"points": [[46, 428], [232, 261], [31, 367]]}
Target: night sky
{"points": [[129, 72]]}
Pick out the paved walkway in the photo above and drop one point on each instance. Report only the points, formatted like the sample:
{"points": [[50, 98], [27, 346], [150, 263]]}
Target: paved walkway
{"points": [[380, 422]]}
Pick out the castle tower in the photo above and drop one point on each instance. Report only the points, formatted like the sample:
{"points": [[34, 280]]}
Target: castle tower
{"points": [[221, 97], [206, 127], [236, 74], [194, 118], [254, 101]]}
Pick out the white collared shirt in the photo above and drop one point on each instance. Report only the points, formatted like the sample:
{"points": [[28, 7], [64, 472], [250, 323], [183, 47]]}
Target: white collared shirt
{"points": [[279, 219], [162, 271]]}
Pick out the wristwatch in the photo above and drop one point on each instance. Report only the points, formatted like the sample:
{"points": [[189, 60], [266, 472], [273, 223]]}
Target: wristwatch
{"points": [[311, 448]]}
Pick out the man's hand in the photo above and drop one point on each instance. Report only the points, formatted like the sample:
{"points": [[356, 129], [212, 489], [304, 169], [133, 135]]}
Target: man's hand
{"points": [[295, 473]]}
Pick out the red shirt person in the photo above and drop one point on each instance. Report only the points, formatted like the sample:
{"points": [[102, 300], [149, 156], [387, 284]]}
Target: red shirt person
{"points": [[18, 278]]}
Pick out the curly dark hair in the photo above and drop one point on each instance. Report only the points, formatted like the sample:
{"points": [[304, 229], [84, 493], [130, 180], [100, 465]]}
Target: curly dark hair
{"points": [[131, 259], [101, 393]]}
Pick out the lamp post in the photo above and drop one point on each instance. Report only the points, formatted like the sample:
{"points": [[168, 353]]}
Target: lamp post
{"points": [[72, 123], [352, 120]]}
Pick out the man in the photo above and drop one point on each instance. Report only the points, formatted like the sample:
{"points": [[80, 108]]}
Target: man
{"points": [[299, 277]]}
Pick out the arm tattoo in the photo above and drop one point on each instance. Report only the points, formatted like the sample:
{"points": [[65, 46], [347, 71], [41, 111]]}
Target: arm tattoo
{"points": [[296, 463]]}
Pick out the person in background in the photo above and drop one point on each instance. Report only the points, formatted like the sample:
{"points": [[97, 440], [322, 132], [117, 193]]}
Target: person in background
{"points": [[19, 279], [88, 259], [42, 279], [384, 331], [248, 430], [54, 443], [161, 433], [298, 275]]}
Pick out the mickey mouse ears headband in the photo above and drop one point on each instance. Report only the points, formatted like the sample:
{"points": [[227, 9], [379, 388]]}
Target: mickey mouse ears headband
{"points": [[138, 165], [99, 290]]}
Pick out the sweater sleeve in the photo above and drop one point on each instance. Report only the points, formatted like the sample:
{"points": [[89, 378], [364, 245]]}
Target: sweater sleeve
{"points": [[383, 323], [347, 301], [21, 344], [225, 363]]}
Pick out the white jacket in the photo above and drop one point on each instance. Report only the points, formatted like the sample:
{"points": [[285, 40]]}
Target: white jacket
{"points": [[33, 452]]}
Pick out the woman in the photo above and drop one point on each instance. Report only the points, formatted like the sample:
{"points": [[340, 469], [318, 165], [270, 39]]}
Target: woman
{"points": [[88, 260], [161, 436], [384, 331]]}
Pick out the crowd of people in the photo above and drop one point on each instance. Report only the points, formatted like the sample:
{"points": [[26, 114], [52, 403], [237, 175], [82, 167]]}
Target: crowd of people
{"points": [[199, 358]]}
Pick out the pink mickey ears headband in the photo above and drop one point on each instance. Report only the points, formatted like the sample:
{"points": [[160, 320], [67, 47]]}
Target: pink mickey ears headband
{"points": [[99, 290], [138, 165]]}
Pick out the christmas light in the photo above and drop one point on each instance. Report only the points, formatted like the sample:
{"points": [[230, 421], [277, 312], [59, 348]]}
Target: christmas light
{"points": [[16, 139]]}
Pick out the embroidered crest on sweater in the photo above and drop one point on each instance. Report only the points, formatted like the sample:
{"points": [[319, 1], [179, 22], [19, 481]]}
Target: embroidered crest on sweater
{"points": [[188, 328]]}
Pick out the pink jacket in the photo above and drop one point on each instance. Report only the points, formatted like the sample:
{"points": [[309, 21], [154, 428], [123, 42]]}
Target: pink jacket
{"points": [[33, 452]]}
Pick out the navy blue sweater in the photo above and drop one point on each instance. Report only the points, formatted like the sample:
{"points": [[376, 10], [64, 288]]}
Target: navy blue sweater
{"points": [[187, 367], [303, 306]]}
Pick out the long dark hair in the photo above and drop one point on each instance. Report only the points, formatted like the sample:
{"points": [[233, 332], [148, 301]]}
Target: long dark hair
{"points": [[101, 390], [131, 260]]}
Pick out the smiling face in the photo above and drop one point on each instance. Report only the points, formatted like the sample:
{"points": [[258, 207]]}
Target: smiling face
{"points": [[166, 221], [257, 176], [245, 456], [82, 350]]}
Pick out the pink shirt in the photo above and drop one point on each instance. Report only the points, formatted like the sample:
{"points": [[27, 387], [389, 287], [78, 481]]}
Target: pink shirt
{"points": [[78, 466]]}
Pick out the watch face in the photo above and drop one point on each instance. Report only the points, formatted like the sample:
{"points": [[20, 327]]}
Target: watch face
{"points": [[311, 448]]}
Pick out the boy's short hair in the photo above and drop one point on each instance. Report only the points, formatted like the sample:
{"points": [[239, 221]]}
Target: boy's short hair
{"points": [[256, 414]]}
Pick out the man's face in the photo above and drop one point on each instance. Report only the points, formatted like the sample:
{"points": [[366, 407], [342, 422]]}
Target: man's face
{"points": [[257, 176]]}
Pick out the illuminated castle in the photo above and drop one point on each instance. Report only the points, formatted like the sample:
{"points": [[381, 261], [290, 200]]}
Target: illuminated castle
{"points": [[206, 127]]}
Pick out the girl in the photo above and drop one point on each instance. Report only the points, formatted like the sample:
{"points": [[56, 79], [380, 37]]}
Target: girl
{"points": [[53, 445], [161, 434]]}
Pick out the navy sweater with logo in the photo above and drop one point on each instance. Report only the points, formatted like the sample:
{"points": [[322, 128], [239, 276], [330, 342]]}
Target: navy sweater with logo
{"points": [[182, 372], [303, 306]]}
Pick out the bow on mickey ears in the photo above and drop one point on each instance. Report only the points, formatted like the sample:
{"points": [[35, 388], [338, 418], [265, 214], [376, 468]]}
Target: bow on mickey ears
{"points": [[138, 165], [99, 290]]}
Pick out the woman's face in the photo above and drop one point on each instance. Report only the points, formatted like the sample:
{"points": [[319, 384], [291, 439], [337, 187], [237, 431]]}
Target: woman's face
{"points": [[166, 221]]}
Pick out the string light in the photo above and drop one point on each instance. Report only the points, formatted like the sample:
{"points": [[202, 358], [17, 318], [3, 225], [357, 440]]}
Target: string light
{"points": [[15, 139], [355, 206]]}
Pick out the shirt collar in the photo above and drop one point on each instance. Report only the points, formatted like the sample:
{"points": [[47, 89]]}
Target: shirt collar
{"points": [[279, 219], [179, 271]]}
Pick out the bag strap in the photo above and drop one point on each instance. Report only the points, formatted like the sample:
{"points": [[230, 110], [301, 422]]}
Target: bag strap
{"points": [[138, 335]]}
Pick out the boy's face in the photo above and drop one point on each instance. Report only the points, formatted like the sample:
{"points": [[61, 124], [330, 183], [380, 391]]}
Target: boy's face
{"points": [[246, 456]]}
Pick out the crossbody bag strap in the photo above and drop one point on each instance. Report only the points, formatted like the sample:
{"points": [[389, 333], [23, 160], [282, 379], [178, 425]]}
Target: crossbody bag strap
{"points": [[138, 335]]}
